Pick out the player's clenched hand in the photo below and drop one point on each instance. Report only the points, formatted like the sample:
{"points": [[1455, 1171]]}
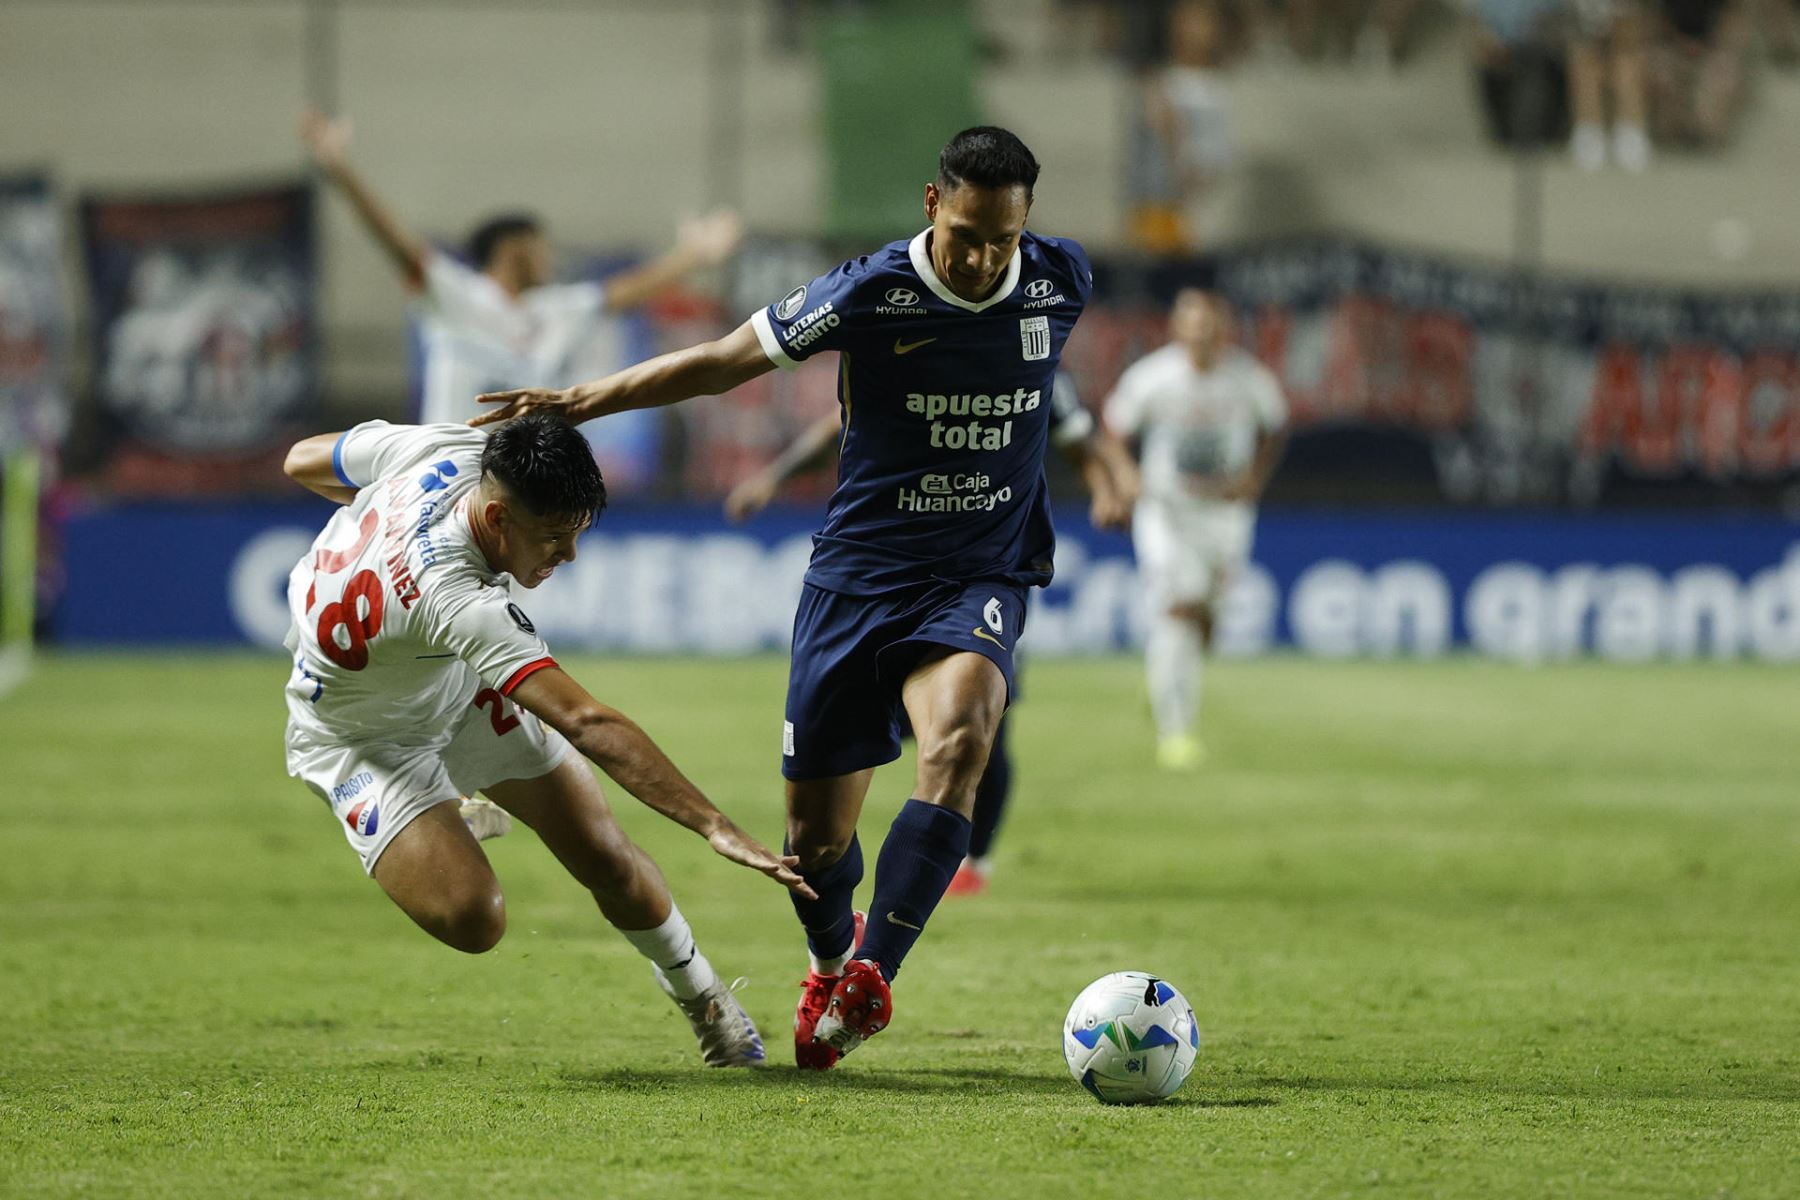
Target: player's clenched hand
{"points": [[520, 401], [750, 497], [1109, 511], [713, 238], [733, 843], [326, 138]]}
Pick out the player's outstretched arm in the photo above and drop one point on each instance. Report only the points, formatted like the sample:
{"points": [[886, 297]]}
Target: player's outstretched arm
{"points": [[308, 464], [614, 743], [811, 449], [328, 140], [708, 369], [1112, 489], [702, 242]]}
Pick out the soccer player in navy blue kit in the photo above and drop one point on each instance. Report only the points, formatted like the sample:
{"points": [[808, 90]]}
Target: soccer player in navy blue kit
{"points": [[915, 596]]}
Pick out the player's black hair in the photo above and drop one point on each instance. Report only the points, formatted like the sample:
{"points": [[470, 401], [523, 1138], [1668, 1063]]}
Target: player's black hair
{"points": [[987, 156], [546, 466], [490, 233]]}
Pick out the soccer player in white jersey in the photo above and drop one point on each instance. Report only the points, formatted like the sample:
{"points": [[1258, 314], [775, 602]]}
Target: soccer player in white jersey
{"points": [[418, 679], [1211, 424], [503, 322]]}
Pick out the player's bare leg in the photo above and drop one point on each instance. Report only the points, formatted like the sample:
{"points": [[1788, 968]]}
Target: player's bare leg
{"points": [[822, 816], [440, 878], [568, 811], [955, 701], [821, 832]]}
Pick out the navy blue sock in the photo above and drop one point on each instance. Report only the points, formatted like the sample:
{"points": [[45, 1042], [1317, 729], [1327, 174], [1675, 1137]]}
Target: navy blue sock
{"points": [[829, 921], [991, 795], [923, 849]]}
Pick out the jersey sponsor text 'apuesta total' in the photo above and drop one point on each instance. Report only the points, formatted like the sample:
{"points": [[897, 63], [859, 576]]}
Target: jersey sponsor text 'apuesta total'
{"points": [[947, 411]]}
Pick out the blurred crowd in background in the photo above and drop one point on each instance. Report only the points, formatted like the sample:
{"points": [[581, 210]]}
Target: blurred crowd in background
{"points": [[1570, 341], [1381, 261]]}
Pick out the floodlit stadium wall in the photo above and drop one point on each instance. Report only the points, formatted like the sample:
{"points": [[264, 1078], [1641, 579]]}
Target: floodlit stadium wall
{"points": [[1524, 588]]}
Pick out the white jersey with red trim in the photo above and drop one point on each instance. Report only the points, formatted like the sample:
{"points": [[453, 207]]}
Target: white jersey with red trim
{"points": [[397, 617]]}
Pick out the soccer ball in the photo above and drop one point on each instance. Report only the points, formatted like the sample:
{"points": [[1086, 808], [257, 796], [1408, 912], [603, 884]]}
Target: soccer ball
{"points": [[1130, 1038]]}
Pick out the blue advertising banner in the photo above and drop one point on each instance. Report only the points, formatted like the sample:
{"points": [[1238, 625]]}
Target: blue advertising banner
{"points": [[34, 321], [680, 580]]}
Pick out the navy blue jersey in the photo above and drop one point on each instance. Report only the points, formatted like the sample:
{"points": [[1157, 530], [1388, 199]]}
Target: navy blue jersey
{"points": [[947, 411]]}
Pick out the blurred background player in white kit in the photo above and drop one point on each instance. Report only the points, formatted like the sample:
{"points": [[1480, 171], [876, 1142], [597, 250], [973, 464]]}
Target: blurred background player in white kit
{"points": [[1210, 423], [1107, 472], [501, 321]]}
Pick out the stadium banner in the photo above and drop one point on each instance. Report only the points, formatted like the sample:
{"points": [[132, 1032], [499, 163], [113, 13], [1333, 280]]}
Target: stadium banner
{"points": [[205, 334], [34, 318], [1412, 377], [681, 581], [1514, 386]]}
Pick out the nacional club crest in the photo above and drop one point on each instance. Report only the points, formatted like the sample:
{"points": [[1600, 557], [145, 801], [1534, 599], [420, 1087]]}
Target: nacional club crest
{"points": [[364, 818]]}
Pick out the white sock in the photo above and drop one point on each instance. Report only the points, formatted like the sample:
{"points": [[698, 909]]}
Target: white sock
{"points": [[1172, 664], [671, 947], [830, 966]]}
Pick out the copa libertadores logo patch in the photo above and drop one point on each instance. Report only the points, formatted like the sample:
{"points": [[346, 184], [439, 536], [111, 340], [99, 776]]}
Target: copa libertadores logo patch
{"points": [[519, 618], [790, 303]]}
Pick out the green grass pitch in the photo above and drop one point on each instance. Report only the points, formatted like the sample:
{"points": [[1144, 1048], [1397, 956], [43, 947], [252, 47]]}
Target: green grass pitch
{"points": [[1451, 929]]}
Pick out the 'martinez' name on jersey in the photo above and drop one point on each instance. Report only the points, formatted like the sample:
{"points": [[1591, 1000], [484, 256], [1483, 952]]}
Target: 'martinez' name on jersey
{"points": [[397, 618], [947, 412]]}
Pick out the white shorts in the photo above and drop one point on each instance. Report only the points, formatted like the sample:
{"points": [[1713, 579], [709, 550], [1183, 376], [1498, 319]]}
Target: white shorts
{"points": [[1186, 551], [375, 789]]}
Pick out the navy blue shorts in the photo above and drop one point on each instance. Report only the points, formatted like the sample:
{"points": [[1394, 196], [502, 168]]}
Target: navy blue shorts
{"points": [[852, 653]]}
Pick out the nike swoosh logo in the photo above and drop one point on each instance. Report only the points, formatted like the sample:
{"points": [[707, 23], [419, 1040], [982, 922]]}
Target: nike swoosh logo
{"points": [[893, 920], [901, 347], [982, 633]]}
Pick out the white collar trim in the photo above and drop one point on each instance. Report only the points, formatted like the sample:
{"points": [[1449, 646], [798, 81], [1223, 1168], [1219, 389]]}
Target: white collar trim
{"points": [[920, 253]]}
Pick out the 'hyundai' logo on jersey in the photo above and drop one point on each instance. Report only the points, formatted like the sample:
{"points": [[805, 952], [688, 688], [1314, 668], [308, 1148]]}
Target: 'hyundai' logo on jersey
{"points": [[904, 297], [435, 479], [1037, 289], [364, 818]]}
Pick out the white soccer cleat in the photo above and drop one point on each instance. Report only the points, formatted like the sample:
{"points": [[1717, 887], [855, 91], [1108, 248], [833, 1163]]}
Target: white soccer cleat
{"points": [[728, 1037], [485, 819]]}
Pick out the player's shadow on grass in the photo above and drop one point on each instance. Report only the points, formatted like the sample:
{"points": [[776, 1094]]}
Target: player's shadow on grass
{"points": [[905, 1079], [963, 1080]]}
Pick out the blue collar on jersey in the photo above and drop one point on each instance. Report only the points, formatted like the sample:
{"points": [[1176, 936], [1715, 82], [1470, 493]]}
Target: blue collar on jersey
{"points": [[920, 253]]}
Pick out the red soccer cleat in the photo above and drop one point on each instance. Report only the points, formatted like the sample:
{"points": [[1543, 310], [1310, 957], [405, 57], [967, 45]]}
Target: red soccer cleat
{"points": [[815, 994], [860, 1007], [969, 880]]}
